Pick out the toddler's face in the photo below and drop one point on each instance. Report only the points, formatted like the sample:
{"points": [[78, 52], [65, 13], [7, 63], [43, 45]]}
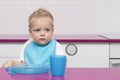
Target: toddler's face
{"points": [[41, 30]]}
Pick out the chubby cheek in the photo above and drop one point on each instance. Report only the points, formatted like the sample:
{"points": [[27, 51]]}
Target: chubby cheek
{"points": [[49, 36], [33, 36]]}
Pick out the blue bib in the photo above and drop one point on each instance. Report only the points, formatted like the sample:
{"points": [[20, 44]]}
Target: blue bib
{"points": [[38, 55]]}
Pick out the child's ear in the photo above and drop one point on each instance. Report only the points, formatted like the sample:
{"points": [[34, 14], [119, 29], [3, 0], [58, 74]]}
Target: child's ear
{"points": [[29, 30], [30, 33], [53, 29]]}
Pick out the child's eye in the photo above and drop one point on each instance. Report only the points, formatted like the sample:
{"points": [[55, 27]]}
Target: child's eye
{"points": [[37, 30], [47, 29]]}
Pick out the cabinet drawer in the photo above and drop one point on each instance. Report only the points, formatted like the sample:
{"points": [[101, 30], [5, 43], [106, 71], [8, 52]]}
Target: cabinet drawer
{"points": [[115, 63], [89, 55], [10, 49], [114, 50]]}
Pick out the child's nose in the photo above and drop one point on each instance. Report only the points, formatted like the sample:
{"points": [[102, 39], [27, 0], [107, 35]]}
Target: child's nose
{"points": [[42, 33]]}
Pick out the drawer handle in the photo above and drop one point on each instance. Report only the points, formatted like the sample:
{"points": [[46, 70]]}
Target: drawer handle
{"points": [[115, 63]]}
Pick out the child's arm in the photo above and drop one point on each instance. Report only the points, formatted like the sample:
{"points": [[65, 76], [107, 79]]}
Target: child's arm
{"points": [[11, 62]]}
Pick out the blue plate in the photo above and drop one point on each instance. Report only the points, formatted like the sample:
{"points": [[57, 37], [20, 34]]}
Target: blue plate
{"points": [[23, 69]]}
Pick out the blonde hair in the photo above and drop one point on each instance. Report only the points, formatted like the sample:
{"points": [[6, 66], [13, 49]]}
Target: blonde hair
{"points": [[41, 13]]}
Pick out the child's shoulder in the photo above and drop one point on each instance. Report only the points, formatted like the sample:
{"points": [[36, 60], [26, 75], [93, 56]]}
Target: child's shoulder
{"points": [[31, 44]]}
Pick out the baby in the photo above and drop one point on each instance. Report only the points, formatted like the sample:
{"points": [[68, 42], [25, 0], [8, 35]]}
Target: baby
{"points": [[37, 50]]}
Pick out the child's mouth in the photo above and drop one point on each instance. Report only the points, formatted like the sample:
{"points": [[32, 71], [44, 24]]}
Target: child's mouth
{"points": [[42, 39]]}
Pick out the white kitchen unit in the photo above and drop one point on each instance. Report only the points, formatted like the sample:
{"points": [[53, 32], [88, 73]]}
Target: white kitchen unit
{"points": [[9, 51], [115, 55], [10, 47], [91, 51], [82, 50], [90, 55], [114, 50]]}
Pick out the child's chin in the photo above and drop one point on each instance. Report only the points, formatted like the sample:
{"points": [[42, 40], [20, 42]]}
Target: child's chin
{"points": [[43, 43]]}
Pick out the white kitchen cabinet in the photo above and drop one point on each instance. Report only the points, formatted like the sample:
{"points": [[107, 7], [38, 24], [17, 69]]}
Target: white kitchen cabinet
{"points": [[92, 50], [94, 55], [114, 55], [90, 55], [114, 50], [9, 51]]}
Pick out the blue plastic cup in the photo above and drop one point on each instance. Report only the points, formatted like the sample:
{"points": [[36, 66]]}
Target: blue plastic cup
{"points": [[57, 65]]}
